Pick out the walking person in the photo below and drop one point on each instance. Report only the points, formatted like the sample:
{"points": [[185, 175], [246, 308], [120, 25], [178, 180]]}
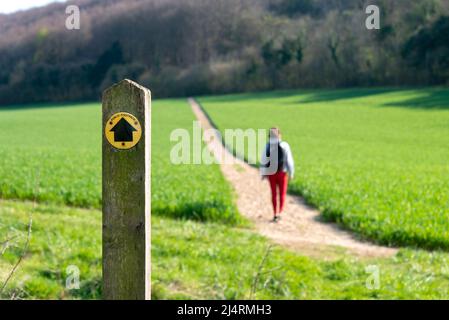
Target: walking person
{"points": [[277, 165]]}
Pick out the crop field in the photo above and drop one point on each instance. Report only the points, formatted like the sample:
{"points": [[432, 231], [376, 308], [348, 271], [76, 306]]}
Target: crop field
{"points": [[50, 170], [52, 153], [196, 192], [375, 160]]}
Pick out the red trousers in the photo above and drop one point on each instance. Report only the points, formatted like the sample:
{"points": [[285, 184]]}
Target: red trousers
{"points": [[279, 180]]}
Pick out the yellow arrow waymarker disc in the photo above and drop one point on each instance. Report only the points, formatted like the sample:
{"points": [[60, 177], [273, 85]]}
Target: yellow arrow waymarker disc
{"points": [[123, 130]]}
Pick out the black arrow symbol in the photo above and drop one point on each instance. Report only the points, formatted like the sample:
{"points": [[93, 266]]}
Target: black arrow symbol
{"points": [[123, 131]]}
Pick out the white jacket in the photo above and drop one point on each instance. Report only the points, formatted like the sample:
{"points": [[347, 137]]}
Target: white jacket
{"points": [[289, 164]]}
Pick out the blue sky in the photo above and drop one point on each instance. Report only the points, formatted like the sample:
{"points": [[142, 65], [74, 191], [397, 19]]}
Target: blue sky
{"points": [[8, 6]]}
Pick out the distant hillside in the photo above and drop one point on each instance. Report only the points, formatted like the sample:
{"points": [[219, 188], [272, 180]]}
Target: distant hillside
{"points": [[191, 47]]}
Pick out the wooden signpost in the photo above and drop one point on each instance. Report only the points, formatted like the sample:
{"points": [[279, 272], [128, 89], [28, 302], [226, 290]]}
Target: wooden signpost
{"points": [[126, 192]]}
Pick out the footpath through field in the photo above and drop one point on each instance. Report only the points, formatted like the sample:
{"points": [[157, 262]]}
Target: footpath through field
{"points": [[301, 227]]}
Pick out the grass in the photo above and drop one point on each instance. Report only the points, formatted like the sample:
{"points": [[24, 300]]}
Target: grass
{"points": [[375, 160], [201, 247], [194, 260], [190, 191], [61, 237], [52, 154]]}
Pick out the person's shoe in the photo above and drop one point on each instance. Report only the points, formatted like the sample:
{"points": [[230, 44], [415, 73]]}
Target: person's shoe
{"points": [[276, 218]]}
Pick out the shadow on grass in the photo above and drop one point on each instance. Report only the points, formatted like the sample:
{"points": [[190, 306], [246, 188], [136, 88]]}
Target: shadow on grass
{"points": [[431, 99], [256, 96], [206, 211], [89, 289], [304, 96], [343, 94]]}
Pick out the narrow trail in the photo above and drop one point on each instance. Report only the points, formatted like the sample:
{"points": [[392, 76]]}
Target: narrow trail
{"points": [[300, 227]]}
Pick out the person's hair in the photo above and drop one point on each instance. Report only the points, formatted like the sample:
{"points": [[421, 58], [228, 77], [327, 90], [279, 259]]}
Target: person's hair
{"points": [[276, 131]]}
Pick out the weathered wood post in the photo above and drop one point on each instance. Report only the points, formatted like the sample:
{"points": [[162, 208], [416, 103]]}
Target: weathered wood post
{"points": [[126, 192]]}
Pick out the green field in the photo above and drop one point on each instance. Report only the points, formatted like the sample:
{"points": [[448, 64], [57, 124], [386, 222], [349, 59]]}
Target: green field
{"points": [[193, 260], [202, 248], [375, 160], [53, 154]]}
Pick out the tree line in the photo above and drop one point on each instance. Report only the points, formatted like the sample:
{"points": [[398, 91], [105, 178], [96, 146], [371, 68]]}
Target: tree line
{"points": [[196, 47]]}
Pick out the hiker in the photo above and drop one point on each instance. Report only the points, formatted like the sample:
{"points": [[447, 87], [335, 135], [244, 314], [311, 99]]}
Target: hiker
{"points": [[277, 164]]}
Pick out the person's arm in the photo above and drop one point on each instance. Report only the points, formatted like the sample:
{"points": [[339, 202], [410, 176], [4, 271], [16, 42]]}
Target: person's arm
{"points": [[290, 161]]}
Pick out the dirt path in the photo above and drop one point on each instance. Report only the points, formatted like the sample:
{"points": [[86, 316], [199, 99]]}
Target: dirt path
{"points": [[300, 227]]}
